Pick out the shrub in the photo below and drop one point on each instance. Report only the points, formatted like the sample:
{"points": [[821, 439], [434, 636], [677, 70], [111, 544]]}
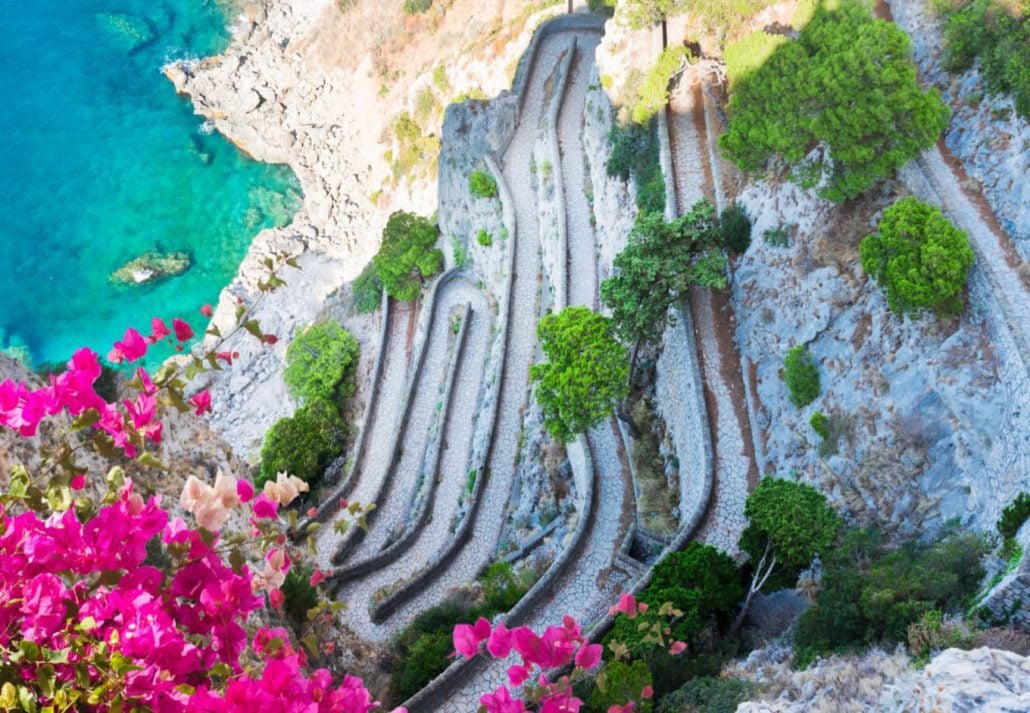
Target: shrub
{"points": [[654, 91], [423, 647], [416, 7], [407, 255], [484, 238], [735, 226], [300, 595], [778, 237], [502, 587], [482, 185], [459, 252], [303, 444], [321, 363], [933, 632], [999, 35], [367, 290], [425, 102], [1014, 515], [749, 53], [602, 7], [802, 376], [849, 83], [820, 424], [623, 683], [440, 80], [711, 572], [635, 155], [707, 695], [919, 258]]}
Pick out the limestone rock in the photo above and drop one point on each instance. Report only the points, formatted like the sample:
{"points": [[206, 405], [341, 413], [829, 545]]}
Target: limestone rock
{"points": [[150, 267]]}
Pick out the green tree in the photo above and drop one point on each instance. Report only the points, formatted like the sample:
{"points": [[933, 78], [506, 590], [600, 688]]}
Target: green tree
{"points": [[709, 571], [321, 363], [802, 376], [659, 263], [622, 683], [847, 84], [407, 255], [788, 524], [367, 290], [654, 92], [919, 258], [586, 373], [303, 444]]}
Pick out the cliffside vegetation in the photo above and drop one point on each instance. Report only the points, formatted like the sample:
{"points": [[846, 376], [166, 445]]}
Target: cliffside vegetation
{"points": [[321, 363], [407, 255]]}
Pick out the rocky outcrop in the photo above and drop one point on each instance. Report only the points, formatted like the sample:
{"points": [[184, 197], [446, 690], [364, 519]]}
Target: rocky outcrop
{"points": [[150, 267]]}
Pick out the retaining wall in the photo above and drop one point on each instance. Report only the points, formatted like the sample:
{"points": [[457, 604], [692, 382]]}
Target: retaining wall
{"points": [[562, 280], [430, 465], [1009, 600]]}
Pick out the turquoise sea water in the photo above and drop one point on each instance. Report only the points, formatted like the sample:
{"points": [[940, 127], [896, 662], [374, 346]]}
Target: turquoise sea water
{"points": [[100, 162]]}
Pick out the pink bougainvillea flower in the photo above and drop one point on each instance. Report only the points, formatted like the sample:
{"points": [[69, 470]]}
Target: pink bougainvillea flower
{"points": [[158, 330], [146, 384], [270, 339], [78, 482], [628, 708], [285, 488], [276, 598], [560, 701], [227, 357], [500, 701], [210, 505], [589, 656], [202, 400], [264, 507], [183, 331], [244, 490], [317, 577], [207, 311], [678, 647], [627, 605], [465, 641], [131, 347], [269, 579], [499, 643], [312, 511], [517, 675]]}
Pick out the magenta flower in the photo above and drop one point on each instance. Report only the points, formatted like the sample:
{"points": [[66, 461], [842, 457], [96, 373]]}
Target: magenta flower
{"points": [[158, 330], [183, 331], [202, 400], [264, 507], [207, 311], [589, 656], [130, 348]]}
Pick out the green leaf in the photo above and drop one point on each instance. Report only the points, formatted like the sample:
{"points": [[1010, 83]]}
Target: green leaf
{"points": [[148, 459], [85, 419], [237, 561]]}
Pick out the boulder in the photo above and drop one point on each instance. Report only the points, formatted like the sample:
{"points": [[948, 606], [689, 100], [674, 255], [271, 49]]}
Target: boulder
{"points": [[151, 267]]}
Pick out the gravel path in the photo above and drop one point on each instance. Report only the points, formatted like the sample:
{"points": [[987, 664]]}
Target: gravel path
{"points": [[713, 325], [457, 440], [389, 392]]}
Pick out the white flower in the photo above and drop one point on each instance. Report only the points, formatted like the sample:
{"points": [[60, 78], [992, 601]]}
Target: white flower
{"points": [[285, 488], [210, 505]]}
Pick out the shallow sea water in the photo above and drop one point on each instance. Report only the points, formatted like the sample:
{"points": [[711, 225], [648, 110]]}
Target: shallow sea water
{"points": [[101, 162]]}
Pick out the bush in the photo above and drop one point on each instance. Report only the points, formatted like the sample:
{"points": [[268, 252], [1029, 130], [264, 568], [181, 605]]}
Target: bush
{"points": [[778, 237], [933, 632], [919, 258], [749, 53], [996, 33], [300, 595], [459, 252], [654, 92], [735, 226], [303, 444], [602, 7], [704, 568], [502, 587], [482, 185], [848, 82], [367, 290], [423, 647], [321, 363], [635, 155], [1014, 515], [623, 683], [407, 255], [820, 424], [802, 376], [416, 7], [484, 238], [707, 695]]}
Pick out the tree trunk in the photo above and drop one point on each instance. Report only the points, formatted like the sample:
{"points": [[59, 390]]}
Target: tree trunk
{"points": [[758, 580]]}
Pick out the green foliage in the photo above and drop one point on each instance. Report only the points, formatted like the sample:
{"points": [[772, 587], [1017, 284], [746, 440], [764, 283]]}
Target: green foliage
{"points": [[440, 80], [586, 373], [484, 238], [1014, 515], [654, 92], [871, 595], [622, 683], [802, 376], [367, 290], [919, 258], [502, 587], [602, 7], [659, 263], [482, 185], [736, 228], [934, 633], [998, 33], [425, 103], [321, 363], [820, 424], [416, 7], [300, 595], [721, 14], [778, 237], [847, 83], [749, 53], [711, 572], [790, 521], [459, 252], [635, 154], [407, 255], [707, 695], [303, 444], [805, 11]]}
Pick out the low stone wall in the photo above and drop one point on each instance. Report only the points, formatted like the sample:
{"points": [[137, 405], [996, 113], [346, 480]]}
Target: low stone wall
{"points": [[355, 535], [1009, 600], [430, 465], [329, 503], [665, 160], [562, 280]]}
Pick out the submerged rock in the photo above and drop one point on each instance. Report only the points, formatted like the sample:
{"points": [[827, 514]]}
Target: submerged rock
{"points": [[151, 267], [128, 32]]}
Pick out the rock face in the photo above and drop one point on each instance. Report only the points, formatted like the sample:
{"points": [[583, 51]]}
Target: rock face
{"points": [[982, 681], [151, 267], [985, 131], [928, 417]]}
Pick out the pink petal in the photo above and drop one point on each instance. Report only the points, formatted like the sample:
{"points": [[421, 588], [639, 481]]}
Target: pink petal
{"points": [[244, 490], [589, 656]]}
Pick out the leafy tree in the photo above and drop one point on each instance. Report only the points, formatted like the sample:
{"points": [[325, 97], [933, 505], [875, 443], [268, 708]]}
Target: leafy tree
{"points": [[788, 524], [1014, 515], [643, 13], [622, 683], [321, 363], [802, 376], [919, 258], [407, 255], [303, 444], [367, 290], [847, 84], [659, 263], [707, 695], [635, 155], [654, 93], [749, 53], [482, 185], [704, 568], [586, 373]]}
